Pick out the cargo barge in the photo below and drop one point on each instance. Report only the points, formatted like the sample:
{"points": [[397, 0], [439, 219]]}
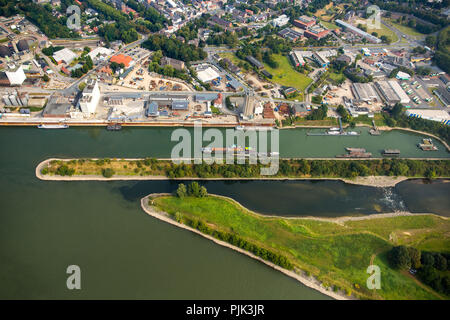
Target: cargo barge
{"points": [[355, 153], [391, 152], [427, 145]]}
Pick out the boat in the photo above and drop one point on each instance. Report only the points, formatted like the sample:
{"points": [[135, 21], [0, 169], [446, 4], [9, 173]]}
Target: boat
{"points": [[53, 126], [427, 145], [355, 155], [333, 133], [239, 127], [334, 129], [114, 127], [352, 133], [355, 149], [391, 152]]}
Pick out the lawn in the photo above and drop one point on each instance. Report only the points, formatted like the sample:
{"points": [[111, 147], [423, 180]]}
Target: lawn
{"points": [[405, 29], [328, 25], [382, 31], [337, 254], [286, 75]]}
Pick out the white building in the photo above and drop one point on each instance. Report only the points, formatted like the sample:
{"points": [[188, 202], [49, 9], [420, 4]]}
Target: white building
{"points": [[280, 21], [16, 76], [90, 97], [207, 75], [64, 55], [100, 54]]}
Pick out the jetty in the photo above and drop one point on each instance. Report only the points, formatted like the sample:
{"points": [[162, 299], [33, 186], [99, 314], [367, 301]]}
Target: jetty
{"points": [[374, 131]]}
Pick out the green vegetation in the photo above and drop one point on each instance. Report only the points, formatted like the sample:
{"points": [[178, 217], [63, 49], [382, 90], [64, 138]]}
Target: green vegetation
{"points": [[397, 118], [286, 75], [174, 48], [442, 55], [287, 168], [433, 268], [337, 254]]}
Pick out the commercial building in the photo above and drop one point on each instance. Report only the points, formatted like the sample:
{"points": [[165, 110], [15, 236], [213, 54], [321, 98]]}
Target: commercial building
{"points": [[364, 92], [316, 33], [391, 92], [99, 54], [304, 22], [64, 56], [402, 76], [207, 75], [280, 21], [90, 97], [16, 76], [297, 57], [290, 34], [322, 56], [121, 58], [358, 31]]}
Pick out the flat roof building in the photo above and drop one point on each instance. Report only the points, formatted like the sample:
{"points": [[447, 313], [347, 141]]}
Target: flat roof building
{"points": [[316, 33], [90, 97], [364, 92], [304, 22], [254, 62], [207, 75], [16, 76], [433, 115], [358, 31], [391, 92], [64, 56]]}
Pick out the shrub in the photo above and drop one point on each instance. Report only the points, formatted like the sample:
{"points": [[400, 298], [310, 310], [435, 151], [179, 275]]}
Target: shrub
{"points": [[107, 172]]}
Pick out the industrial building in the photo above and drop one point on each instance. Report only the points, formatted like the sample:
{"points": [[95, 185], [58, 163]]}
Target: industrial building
{"points": [[151, 109], [364, 92], [90, 97], [433, 115], [391, 92], [322, 56], [16, 75], [207, 75], [99, 54], [443, 95], [174, 101], [64, 56], [358, 31], [254, 62]]}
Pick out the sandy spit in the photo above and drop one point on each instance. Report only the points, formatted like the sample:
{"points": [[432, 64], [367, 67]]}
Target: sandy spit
{"points": [[373, 181]]}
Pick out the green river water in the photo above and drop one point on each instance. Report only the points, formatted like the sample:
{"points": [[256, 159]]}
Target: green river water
{"points": [[46, 226]]}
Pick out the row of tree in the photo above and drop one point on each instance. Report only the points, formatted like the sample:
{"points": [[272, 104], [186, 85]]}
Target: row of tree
{"points": [[317, 168], [396, 117]]}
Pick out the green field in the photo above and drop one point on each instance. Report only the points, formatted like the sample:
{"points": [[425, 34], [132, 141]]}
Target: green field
{"points": [[405, 29], [337, 254], [382, 31], [329, 25], [286, 75]]}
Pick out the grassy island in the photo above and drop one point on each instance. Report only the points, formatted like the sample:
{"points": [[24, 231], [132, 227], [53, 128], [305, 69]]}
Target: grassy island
{"points": [[287, 168], [335, 251]]}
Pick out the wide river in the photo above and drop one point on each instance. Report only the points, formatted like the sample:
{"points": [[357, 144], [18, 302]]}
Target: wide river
{"points": [[46, 226]]}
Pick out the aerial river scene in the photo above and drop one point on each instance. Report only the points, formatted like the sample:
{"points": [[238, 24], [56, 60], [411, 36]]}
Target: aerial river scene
{"points": [[101, 226]]}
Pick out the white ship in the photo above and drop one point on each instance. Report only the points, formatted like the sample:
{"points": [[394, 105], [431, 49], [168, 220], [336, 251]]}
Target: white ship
{"points": [[53, 126]]}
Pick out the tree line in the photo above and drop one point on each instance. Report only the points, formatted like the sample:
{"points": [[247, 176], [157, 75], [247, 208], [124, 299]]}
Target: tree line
{"points": [[432, 267], [174, 48]]}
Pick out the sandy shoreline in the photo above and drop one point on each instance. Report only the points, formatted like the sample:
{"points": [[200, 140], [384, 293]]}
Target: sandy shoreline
{"points": [[372, 181], [310, 282]]}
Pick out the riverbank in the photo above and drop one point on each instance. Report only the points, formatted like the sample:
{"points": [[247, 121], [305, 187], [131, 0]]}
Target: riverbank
{"points": [[373, 181], [328, 254], [300, 276]]}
